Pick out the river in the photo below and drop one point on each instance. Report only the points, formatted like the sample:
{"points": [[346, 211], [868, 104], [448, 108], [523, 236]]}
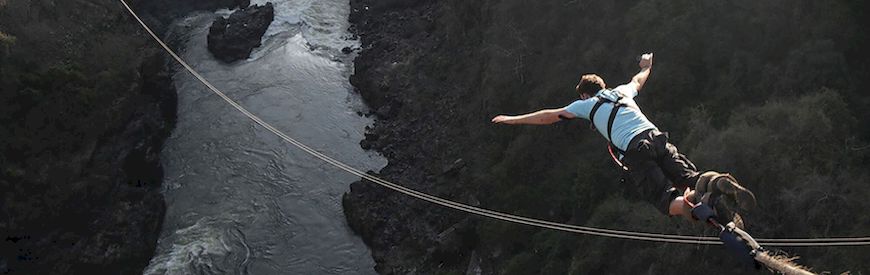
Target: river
{"points": [[239, 199]]}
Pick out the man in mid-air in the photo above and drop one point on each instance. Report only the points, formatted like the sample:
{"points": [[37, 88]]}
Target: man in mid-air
{"points": [[663, 176]]}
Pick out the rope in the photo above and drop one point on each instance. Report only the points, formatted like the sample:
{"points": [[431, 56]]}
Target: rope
{"points": [[783, 265], [620, 234]]}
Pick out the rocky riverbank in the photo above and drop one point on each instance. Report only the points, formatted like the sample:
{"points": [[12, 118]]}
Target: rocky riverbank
{"points": [[85, 111], [413, 110]]}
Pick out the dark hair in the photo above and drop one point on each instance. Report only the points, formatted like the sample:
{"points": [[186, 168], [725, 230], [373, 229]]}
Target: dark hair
{"points": [[590, 84]]}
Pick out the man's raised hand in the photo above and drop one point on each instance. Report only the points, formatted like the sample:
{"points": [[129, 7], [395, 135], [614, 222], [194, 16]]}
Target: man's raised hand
{"points": [[645, 60]]}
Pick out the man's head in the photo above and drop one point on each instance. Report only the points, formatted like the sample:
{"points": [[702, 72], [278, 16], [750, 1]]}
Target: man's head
{"points": [[589, 85]]}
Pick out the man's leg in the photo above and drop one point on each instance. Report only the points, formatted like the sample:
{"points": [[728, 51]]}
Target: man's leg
{"points": [[658, 190], [683, 173], [663, 175], [679, 207], [676, 166], [650, 181]]}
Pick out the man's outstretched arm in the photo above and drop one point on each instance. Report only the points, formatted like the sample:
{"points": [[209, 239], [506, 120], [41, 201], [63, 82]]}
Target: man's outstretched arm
{"points": [[546, 116], [645, 66]]}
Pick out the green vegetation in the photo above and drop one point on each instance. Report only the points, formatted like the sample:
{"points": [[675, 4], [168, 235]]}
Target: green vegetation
{"points": [[6, 40], [58, 94], [74, 103], [770, 91]]}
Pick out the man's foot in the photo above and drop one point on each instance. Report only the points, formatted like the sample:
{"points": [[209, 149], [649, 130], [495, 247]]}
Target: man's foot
{"points": [[718, 184], [725, 213], [723, 208], [728, 184]]}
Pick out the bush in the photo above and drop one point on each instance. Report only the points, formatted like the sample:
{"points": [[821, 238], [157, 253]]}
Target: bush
{"points": [[778, 111], [792, 152], [6, 40]]}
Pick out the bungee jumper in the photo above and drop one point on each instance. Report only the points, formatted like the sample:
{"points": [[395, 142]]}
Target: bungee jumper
{"points": [[664, 177]]}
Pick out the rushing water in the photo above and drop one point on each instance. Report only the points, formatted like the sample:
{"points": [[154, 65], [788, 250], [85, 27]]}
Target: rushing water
{"points": [[240, 200]]}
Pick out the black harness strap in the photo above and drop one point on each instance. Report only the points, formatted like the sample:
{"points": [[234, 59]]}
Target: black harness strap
{"points": [[592, 113], [616, 105], [610, 126]]}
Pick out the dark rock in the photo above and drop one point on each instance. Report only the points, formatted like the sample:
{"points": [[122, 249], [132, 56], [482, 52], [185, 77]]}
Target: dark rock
{"points": [[243, 3], [474, 265], [453, 167], [372, 136], [365, 144], [3, 268], [233, 38], [407, 235], [104, 210], [452, 244], [346, 50], [384, 111], [159, 14]]}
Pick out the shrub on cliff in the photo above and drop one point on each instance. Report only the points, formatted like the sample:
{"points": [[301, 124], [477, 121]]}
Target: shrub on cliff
{"points": [[799, 155], [6, 41]]}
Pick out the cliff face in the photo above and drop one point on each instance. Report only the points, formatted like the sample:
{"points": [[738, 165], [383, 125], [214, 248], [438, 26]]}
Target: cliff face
{"points": [[415, 110], [731, 83], [86, 101]]}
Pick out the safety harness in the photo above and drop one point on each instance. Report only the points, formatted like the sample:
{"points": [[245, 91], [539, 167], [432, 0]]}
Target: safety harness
{"points": [[616, 106]]}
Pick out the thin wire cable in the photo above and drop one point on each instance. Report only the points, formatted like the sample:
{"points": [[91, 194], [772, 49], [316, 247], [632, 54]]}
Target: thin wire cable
{"points": [[816, 240], [656, 237]]}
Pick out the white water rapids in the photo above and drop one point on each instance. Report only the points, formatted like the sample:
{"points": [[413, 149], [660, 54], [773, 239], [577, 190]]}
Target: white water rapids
{"points": [[240, 200]]}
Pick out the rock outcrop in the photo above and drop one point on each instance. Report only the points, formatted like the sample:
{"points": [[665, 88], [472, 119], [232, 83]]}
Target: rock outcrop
{"points": [[80, 174], [233, 38], [408, 235], [84, 112]]}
